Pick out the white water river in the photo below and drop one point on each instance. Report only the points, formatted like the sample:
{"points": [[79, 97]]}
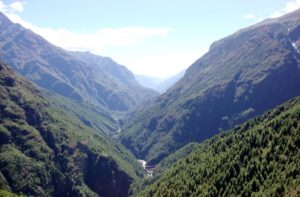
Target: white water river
{"points": [[144, 163]]}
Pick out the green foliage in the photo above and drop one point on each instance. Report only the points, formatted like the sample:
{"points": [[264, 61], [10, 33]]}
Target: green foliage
{"points": [[173, 158], [258, 158], [48, 151], [4, 193], [90, 115], [24, 173], [164, 165]]}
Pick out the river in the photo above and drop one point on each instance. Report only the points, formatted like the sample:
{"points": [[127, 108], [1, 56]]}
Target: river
{"points": [[149, 171]]}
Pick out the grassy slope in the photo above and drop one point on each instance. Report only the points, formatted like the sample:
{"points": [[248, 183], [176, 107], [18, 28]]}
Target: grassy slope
{"points": [[259, 157]]}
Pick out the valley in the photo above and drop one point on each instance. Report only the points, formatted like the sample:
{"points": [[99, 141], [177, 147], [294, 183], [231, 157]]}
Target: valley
{"points": [[74, 123], [240, 77]]}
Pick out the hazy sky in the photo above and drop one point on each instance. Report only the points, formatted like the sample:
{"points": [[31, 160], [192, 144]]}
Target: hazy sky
{"points": [[152, 37]]}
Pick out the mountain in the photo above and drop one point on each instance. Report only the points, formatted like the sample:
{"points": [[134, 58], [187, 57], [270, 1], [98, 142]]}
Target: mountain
{"points": [[119, 73], [158, 84], [241, 76], [55, 69], [165, 85], [148, 81], [46, 151], [258, 158]]}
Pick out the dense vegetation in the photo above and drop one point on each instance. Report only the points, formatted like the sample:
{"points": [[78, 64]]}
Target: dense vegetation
{"points": [[89, 114], [241, 76], [45, 151], [5, 193], [260, 157], [163, 166]]}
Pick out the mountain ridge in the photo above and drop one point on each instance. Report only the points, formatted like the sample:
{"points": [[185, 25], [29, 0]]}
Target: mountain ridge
{"points": [[241, 76], [55, 69], [119, 73]]}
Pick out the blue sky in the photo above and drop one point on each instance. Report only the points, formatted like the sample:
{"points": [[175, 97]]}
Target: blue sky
{"points": [[157, 37]]}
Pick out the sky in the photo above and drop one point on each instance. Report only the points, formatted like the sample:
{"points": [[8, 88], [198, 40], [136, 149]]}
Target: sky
{"points": [[155, 38]]}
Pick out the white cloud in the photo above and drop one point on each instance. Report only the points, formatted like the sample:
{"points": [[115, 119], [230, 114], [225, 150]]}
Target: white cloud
{"points": [[163, 65], [250, 16], [103, 38], [95, 42], [112, 39], [2, 6], [13, 8], [289, 7], [253, 17], [17, 6]]}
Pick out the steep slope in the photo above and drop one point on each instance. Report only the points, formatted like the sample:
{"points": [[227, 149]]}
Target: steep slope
{"points": [[45, 151], [241, 76], [259, 158], [90, 115], [165, 85], [55, 69]]}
